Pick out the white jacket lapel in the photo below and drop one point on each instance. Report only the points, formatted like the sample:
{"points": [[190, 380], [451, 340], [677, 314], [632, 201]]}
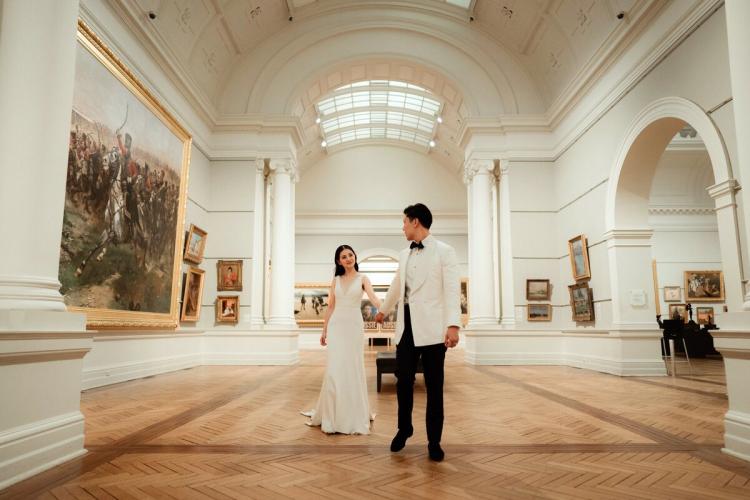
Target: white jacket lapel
{"points": [[423, 271]]}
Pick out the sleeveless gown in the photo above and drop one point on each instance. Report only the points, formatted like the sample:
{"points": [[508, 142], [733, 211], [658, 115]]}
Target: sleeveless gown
{"points": [[343, 405]]}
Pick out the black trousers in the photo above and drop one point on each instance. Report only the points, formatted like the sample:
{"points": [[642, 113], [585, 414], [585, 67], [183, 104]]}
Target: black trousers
{"points": [[433, 361]]}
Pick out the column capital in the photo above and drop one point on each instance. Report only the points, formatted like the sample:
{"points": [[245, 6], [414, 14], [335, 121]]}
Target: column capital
{"points": [[478, 167], [260, 165], [504, 167], [286, 166]]}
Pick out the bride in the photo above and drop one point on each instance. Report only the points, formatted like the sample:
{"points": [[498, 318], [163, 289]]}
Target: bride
{"points": [[343, 405]]}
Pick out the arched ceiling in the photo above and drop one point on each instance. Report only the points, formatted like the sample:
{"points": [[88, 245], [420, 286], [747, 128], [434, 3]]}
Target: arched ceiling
{"points": [[552, 43]]}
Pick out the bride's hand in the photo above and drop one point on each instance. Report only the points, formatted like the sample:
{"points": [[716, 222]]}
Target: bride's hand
{"points": [[323, 339]]}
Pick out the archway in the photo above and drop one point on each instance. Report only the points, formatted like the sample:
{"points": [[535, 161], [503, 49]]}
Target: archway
{"points": [[628, 232]]}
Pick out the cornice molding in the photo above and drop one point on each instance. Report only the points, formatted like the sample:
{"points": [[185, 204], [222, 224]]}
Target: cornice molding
{"points": [[681, 210]]}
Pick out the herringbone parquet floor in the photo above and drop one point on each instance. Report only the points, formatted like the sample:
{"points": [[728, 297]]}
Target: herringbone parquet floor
{"points": [[511, 432]]}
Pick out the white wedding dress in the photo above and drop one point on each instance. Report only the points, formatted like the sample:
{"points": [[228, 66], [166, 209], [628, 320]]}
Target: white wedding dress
{"points": [[343, 405]]}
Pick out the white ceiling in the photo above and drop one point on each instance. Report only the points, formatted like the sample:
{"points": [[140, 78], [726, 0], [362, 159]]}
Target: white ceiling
{"points": [[554, 40]]}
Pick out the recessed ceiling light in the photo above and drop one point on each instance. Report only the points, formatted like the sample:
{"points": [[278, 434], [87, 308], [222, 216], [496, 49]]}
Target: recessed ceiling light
{"points": [[440, 119], [323, 143], [317, 119], [432, 144]]}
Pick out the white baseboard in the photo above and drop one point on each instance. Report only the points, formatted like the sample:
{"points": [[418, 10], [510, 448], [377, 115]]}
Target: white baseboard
{"points": [[737, 435], [513, 358], [33, 448], [113, 374], [623, 368], [251, 358]]}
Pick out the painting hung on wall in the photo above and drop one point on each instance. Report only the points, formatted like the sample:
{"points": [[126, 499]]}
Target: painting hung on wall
{"points": [[227, 308], [192, 294], [581, 302], [464, 301], [125, 192], [369, 311], [672, 293], [539, 312], [195, 244], [229, 275], [537, 289], [704, 286], [678, 312], [705, 315], [579, 257], [310, 303]]}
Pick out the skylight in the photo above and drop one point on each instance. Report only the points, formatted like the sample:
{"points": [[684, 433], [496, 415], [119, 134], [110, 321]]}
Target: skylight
{"points": [[378, 109]]}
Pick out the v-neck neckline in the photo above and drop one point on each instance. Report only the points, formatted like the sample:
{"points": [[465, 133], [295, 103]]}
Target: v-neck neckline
{"points": [[347, 287]]}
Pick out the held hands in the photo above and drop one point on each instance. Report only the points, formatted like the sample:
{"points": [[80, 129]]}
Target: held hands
{"points": [[451, 336], [379, 317], [323, 336]]}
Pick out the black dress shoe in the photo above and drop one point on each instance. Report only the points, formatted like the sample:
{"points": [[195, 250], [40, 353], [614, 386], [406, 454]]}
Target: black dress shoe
{"points": [[399, 440], [436, 452]]}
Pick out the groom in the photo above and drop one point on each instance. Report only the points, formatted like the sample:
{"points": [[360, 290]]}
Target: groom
{"points": [[426, 289]]}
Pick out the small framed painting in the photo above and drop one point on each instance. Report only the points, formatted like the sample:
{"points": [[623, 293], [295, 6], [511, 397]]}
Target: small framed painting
{"points": [[192, 294], [672, 293], [678, 311], [579, 257], [581, 302], [705, 315], [195, 244], [539, 312], [229, 275], [227, 308], [704, 286], [537, 289]]}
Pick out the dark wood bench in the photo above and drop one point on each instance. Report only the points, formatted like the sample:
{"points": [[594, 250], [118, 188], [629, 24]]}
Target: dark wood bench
{"points": [[386, 363]]}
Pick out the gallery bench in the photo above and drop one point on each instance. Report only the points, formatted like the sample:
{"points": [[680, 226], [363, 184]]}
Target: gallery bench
{"points": [[386, 363]]}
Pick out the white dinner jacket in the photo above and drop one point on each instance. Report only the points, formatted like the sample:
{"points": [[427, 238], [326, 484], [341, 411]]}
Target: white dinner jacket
{"points": [[434, 296]]}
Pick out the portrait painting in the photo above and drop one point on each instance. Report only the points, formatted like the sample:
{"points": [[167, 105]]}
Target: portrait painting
{"points": [[464, 301], [581, 302], [537, 289], [579, 257], [195, 244], [705, 315], [678, 312], [310, 303], [227, 308], [192, 294], [125, 192], [672, 293], [539, 312], [704, 286], [229, 275]]}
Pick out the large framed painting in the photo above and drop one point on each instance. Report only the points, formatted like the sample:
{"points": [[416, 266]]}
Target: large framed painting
{"points": [[192, 294], [579, 257], [229, 275], [311, 303], [125, 196], [581, 302], [704, 286]]}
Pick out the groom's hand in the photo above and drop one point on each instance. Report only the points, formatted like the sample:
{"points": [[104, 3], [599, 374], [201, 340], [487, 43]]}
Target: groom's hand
{"points": [[379, 317], [451, 336]]}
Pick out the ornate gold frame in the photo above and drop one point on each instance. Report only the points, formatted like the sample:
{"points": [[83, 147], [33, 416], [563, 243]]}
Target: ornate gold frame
{"points": [[201, 276], [219, 317], [311, 323], [98, 318], [586, 266], [548, 317], [226, 263]]}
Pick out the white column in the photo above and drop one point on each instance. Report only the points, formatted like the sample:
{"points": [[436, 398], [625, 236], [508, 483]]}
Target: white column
{"points": [[738, 37], [259, 247], [37, 65], [480, 175], [506, 249], [41, 345], [729, 243], [282, 245]]}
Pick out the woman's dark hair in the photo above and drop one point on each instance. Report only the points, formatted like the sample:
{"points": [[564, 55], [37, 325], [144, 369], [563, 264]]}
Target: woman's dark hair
{"points": [[421, 213], [339, 268]]}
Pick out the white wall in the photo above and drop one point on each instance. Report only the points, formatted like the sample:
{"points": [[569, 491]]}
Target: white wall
{"points": [[583, 170], [356, 196]]}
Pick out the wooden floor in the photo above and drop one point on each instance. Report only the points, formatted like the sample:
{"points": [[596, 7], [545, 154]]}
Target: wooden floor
{"points": [[511, 432]]}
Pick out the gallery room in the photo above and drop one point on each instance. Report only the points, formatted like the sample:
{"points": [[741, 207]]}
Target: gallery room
{"points": [[374, 249]]}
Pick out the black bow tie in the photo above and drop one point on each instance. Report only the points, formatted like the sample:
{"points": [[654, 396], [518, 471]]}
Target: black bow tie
{"points": [[414, 245]]}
